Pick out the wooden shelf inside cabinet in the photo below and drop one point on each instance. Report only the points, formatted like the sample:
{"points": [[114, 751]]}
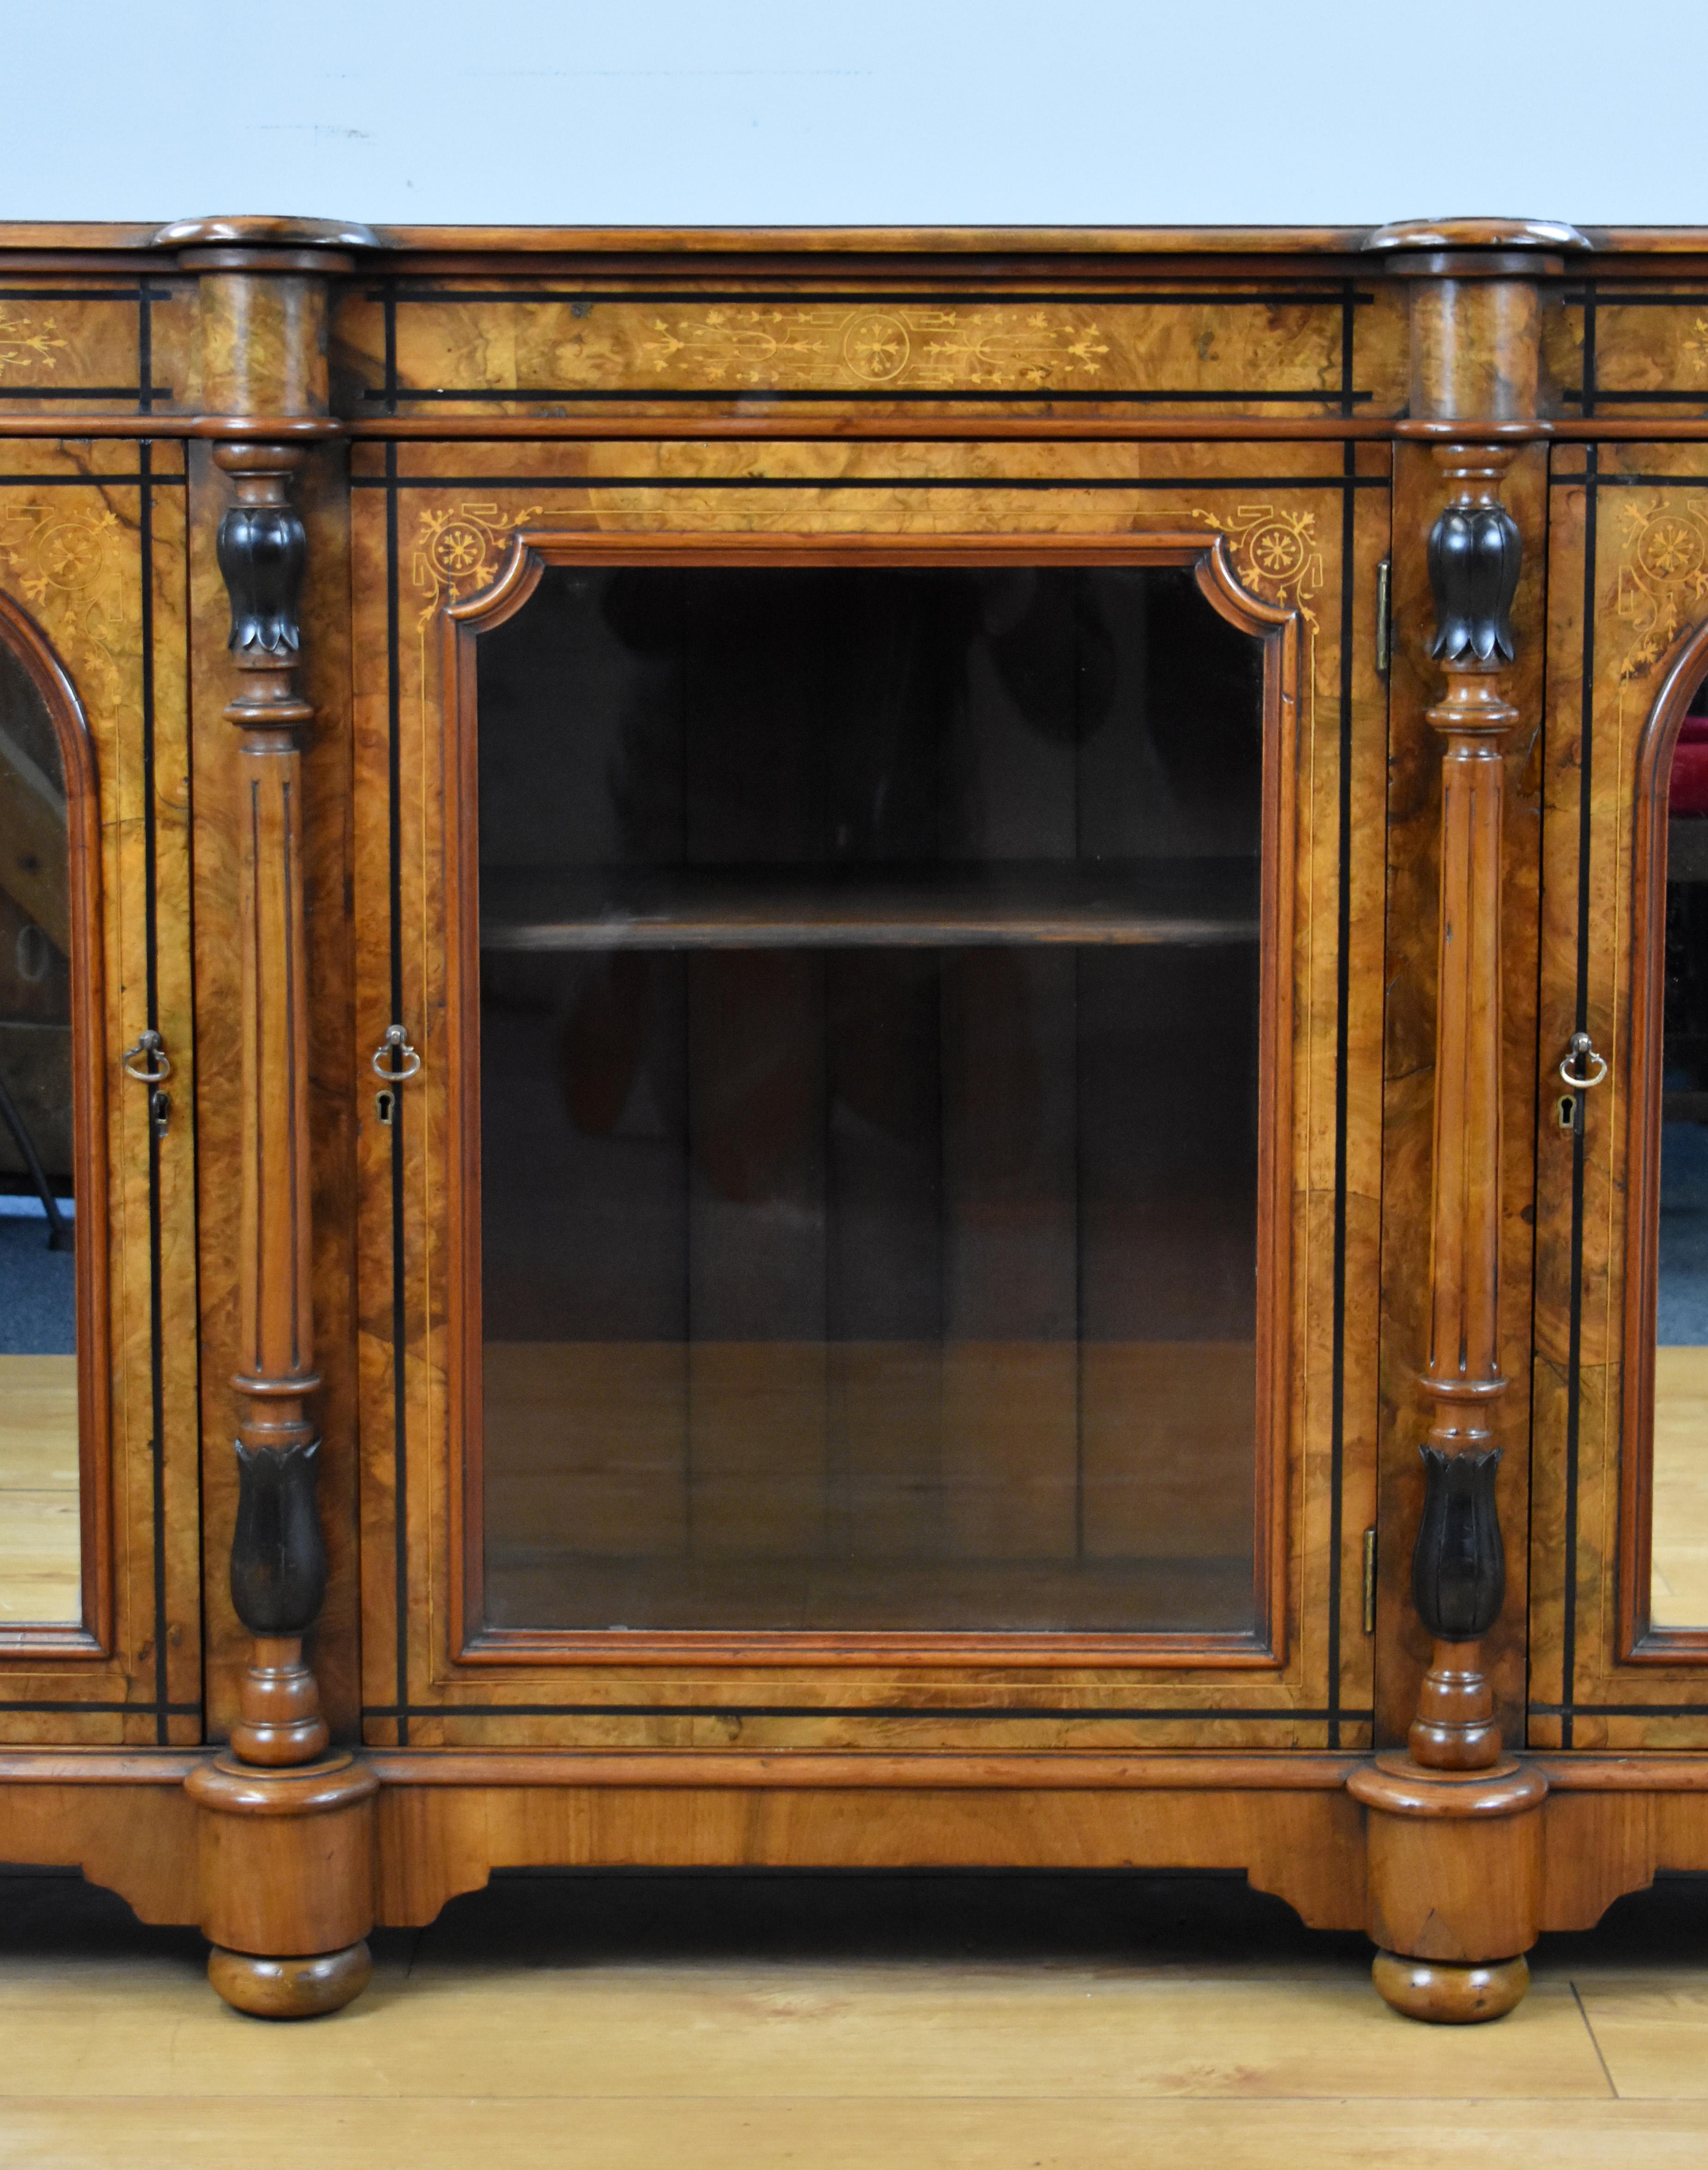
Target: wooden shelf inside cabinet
{"points": [[1177, 903]]}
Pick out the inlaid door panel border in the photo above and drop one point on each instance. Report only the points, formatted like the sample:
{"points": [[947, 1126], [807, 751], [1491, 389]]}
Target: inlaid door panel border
{"points": [[93, 562], [1303, 527], [1627, 591]]}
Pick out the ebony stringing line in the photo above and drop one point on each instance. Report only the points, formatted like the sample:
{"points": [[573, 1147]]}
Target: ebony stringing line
{"points": [[1590, 293], [1568, 1638], [151, 924], [1346, 483], [1565, 1711], [1282, 1716], [143, 292], [107, 1709], [143, 394], [1327, 295], [722, 395], [1337, 1388], [101, 481], [812, 484], [1587, 397], [144, 356], [1640, 481], [390, 391], [400, 1557]]}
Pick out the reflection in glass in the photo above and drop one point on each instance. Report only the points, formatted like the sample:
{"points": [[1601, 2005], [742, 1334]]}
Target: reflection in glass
{"points": [[40, 1535], [869, 974]]}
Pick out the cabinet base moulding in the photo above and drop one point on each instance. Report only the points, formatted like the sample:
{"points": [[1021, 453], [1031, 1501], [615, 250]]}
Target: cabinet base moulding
{"points": [[287, 1871]]}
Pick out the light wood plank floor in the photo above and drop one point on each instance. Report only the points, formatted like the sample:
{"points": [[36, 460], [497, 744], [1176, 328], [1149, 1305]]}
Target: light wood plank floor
{"points": [[1019, 2023], [1679, 1596], [41, 1534]]}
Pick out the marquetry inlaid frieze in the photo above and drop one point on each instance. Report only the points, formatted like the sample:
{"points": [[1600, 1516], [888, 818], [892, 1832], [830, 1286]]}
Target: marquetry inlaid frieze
{"points": [[1331, 350], [120, 350], [1612, 350]]}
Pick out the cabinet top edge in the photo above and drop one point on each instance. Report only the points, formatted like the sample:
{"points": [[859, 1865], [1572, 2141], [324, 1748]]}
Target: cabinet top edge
{"points": [[71, 238], [1364, 253]]}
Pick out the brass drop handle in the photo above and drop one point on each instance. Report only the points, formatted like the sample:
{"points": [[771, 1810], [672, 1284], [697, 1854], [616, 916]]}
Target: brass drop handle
{"points": [[395, 1059], [149, 1064], [1582, 1052], [150, 1051]]}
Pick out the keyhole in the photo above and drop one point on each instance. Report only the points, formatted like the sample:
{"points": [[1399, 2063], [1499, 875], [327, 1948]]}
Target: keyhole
{"points": [[383, 1106], [1569, 1105]]}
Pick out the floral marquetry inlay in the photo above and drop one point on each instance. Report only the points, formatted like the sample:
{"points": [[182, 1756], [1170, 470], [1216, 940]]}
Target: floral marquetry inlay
{"points": [[458, 548], [925, 348], [27, 341], [72, 565], [1275, 553], [928, 348], [1663, 575]]}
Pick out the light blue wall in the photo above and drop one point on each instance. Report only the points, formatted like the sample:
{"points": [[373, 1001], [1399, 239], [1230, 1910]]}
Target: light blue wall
{"points": [[869, 111]]}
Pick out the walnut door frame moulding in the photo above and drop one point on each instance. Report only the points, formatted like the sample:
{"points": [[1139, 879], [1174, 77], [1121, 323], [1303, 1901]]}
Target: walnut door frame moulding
{"points": [[94, 574], [1303, 526], [1640, 1642], [1279, 628], [1628, 641]]}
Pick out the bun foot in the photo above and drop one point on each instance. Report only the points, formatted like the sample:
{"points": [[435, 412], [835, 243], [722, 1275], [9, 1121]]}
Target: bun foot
{"points": [[1454, 1996], [291, 1989]]}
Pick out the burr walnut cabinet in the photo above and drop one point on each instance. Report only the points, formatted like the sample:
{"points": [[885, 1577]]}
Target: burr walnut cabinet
{"points": [[854, 1050]]}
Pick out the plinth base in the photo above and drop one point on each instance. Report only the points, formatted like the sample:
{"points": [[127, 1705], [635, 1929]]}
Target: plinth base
{"points": [[286, 1877], [1450, 1995], [1453, 1866], [289, 1989]]}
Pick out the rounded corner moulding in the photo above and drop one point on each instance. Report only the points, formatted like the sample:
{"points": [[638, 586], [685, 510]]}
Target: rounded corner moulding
{"points": [[264, 232]]}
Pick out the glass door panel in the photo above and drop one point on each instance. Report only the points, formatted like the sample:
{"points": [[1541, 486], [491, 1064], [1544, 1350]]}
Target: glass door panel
{"points": [[1679, 1544], [40, 1540], [869, 1059]]}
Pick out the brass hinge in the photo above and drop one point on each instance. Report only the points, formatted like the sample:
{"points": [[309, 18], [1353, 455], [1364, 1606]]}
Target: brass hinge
{"points": [[1370, 1581], [1384, 616]]}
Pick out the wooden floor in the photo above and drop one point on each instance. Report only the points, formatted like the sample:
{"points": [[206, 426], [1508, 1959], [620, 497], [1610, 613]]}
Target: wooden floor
{"points": [[40, 1537], [699, 2022], [1679, 1596]]}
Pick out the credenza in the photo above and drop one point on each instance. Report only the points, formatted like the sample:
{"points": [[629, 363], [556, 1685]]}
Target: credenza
{"points": [[856, 1049]]}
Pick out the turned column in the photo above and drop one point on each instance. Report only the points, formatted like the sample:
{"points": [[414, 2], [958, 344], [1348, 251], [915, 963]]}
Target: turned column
{"points": [[278, 1565], [1458, 1566], [1453, 1828], [285, 1824]]}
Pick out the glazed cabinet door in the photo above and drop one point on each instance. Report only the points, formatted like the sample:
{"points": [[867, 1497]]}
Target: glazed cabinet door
{"points": [[1621, 1630], [99, 1559], [869, 977]]}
